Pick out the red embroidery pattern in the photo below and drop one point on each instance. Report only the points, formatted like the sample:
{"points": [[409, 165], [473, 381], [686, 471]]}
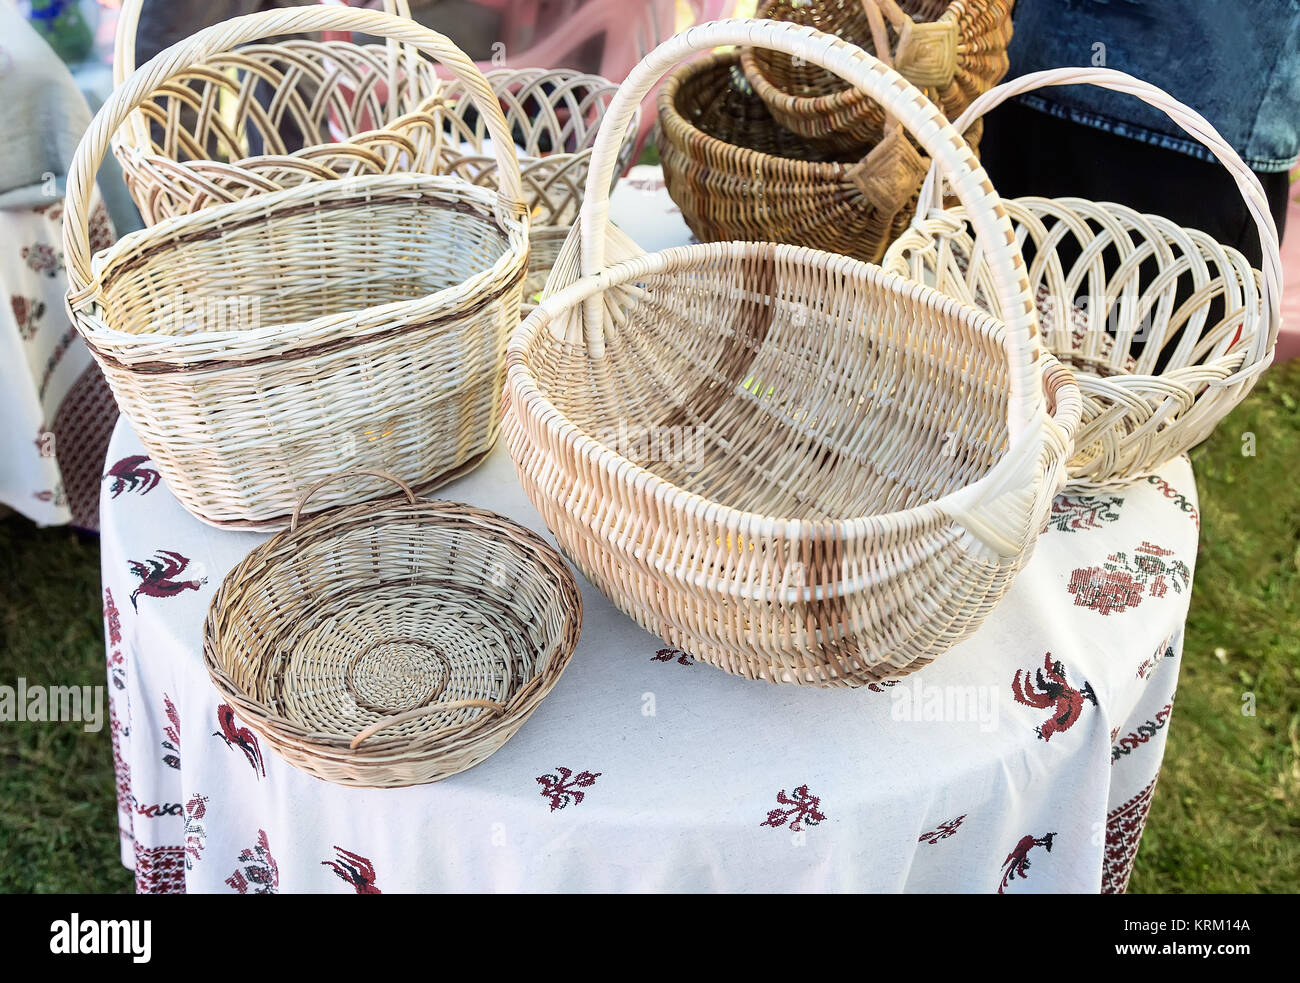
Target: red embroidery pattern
{"points": [[122, 774], [1050, 689], [173, 734], [668, 655], [28, 312], [129, 475], [260, 873], [240, 738], [41, 258], [1124, 828], [882, 686], [944, 830], [1120, 583], [1177, 497], [1079, 514], [196, 833], [564, 789], [1135, 738], [1163, 651], [159, 869], [158, 576], [355, 869], [1017, 862], [805, 810], [112, 619]]}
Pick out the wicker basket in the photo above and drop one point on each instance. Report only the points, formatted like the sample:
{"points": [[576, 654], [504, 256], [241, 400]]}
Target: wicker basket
{"points": [[737, 174], [322, 125], [787, 462], [1179, 326], [392, 643], [952, 50], [273, 115], [554, 116], [259, 345]]}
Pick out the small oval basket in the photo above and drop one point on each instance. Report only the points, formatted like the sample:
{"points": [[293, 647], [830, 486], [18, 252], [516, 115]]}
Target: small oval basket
{"points": [[1165, 329], [392, 643], [953, 50]]}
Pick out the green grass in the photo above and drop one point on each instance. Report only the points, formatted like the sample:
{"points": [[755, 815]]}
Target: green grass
{"points": [[58, 811], [1226, 815]]}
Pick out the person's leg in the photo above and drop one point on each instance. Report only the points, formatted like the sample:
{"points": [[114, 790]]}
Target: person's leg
{"points": [[1027, 152]]}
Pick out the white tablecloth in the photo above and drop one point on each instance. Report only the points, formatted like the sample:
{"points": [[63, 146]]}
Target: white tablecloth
{"points": [[1022, 761]]}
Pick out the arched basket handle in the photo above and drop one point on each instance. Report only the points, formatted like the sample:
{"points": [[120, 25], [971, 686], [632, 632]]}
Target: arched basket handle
{"points": [[132, 93], [903, 102], [1192, 123]]}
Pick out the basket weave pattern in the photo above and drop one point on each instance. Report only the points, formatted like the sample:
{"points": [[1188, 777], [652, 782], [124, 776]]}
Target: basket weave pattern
{"points": [[392, 643]]}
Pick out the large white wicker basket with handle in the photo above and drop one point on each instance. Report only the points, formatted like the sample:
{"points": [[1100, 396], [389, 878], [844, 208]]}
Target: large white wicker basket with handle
{"points": [[262, 344], [1178, 326], [788, 462]]}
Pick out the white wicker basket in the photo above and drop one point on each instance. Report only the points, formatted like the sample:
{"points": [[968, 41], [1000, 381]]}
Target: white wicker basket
{"points": [[1179, 326], [863, 465]]}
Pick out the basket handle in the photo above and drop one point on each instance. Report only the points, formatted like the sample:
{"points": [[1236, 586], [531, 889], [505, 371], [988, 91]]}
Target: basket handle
{"points": [[905, 103], [1192, 123], [128, 96], [406, 715], [350, 473]]}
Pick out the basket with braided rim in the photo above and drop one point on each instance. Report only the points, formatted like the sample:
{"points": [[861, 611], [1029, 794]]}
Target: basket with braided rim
{"points": [[261, 344], [737, 174], [394, 642], [787, 462], [952, 49], [1179, 326]]}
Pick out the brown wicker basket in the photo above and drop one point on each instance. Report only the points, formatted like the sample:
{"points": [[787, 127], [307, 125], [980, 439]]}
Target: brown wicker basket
{"points": [[395, 642], [953, 51], [737, 174]]}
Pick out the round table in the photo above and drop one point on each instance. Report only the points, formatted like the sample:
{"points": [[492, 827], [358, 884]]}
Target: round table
{"points": [[1023, 760]]}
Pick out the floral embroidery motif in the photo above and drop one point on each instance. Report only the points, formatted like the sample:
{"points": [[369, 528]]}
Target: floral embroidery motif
{"points": [[944, 830], [196, 833], [1178, 498], [173, 734], [668, 655], [1123, 580], [260, 873], [564, 789], [28, 312], [805, 810], [1140, 735], [1078, 514]]}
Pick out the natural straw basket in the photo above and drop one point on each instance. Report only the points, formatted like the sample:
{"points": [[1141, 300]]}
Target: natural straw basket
{"points": [[392, 643], [952, 50], [1178, 326], [554, 116], [272, 115], [789, 463], [737, 174], [259, 345]]}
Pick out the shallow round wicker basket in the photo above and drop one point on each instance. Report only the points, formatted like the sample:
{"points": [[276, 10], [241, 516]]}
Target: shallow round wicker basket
{"points": [[392, 643], [1179, 327], [737, 174], [789, 463], [262, 344], [952, 49], [274, 114]]}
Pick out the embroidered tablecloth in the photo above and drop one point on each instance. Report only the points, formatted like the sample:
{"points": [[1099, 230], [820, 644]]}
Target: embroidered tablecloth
{"points": [[42, 363], [1023, 760]]}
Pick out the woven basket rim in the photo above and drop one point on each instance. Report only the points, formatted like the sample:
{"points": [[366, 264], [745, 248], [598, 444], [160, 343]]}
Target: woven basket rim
{"points": [[285, 338], [670, 118], [529, 548], [844, 99], [522, 384]]}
